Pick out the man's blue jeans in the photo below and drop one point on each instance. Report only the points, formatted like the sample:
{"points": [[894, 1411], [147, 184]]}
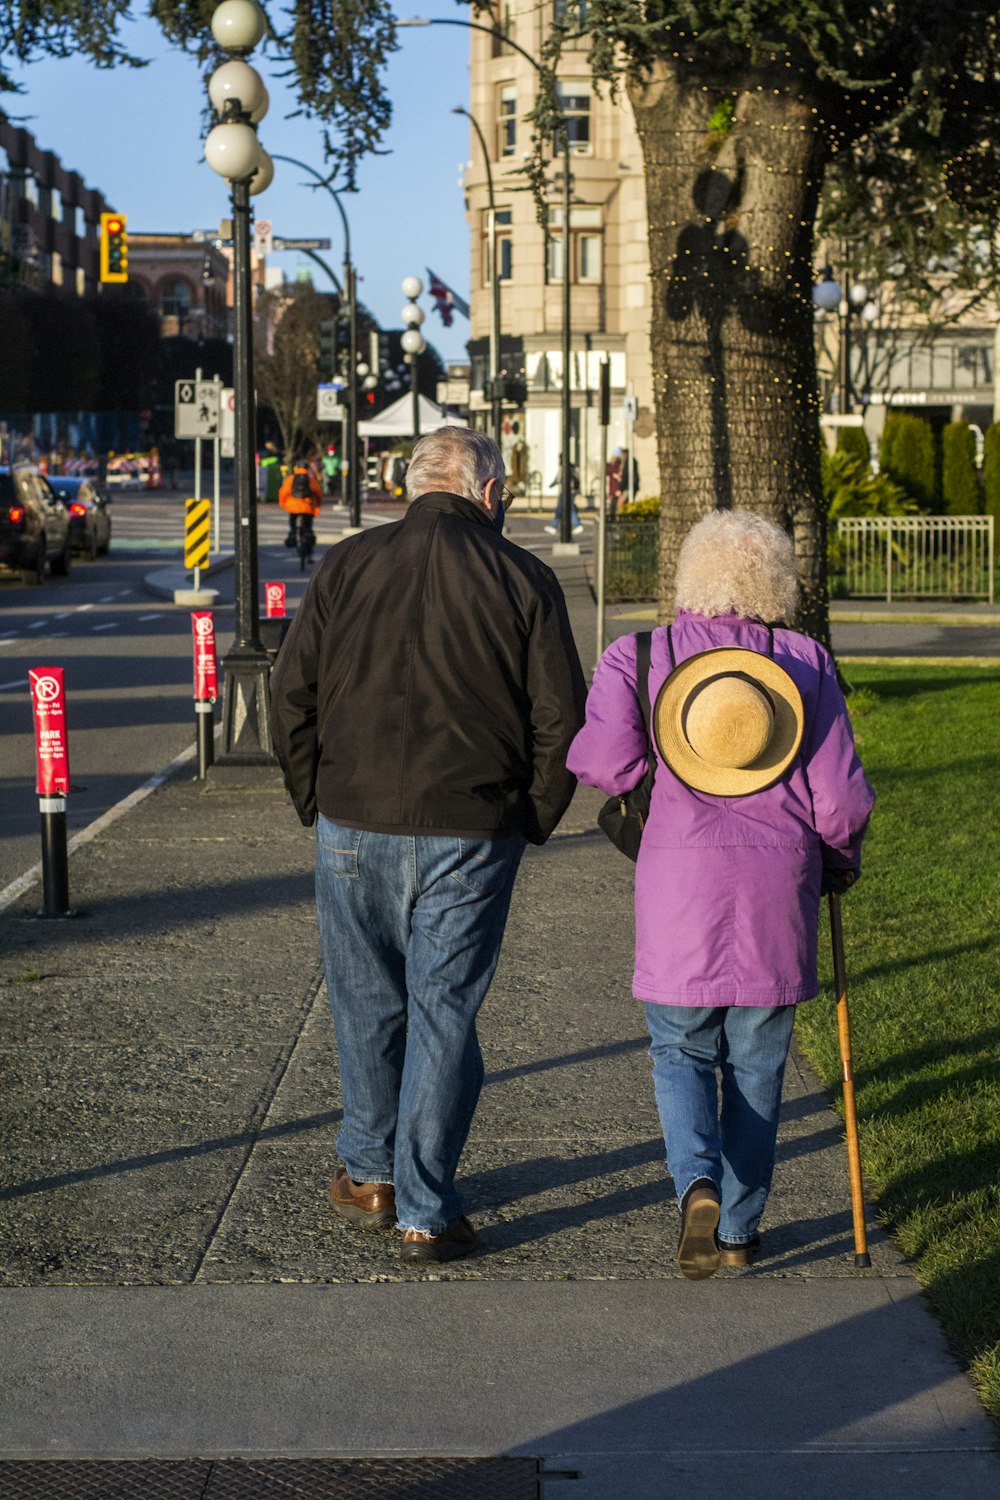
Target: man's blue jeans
{"points": [[734, 1147], [410, 928]]}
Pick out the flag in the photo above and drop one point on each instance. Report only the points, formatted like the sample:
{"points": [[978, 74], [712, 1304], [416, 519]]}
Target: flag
{"points": [[446, 301]]}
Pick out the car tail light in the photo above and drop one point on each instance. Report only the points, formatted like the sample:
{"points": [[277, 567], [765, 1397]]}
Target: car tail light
{"points": [[16, 514], [76, 509]]}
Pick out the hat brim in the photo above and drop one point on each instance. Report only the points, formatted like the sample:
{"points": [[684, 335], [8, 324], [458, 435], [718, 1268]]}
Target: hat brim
{"points": [[726, 781]]}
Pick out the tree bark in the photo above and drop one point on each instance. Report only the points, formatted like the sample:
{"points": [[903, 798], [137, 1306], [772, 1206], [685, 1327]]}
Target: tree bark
{"points": [[731, 214]]}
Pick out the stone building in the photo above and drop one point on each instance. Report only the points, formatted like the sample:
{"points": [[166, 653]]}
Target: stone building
{"points": [[184, 277], [49, 219], [609, 264]]}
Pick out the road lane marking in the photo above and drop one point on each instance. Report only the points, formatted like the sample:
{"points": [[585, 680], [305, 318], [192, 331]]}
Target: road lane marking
{"points": [[108, 599], [81, 607], [112, 626], [18, 682], [38, 625], [17, 888], [157, 616]]}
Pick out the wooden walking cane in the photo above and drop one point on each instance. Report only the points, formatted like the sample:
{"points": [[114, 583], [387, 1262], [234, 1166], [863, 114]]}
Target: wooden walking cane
{"points": [[861, 1257]]}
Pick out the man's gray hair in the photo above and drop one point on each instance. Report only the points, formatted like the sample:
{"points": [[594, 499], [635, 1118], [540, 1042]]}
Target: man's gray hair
{"points": [[737, 562], [455, 460]]}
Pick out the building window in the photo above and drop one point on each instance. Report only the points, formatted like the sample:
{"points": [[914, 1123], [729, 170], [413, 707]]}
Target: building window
{"points": [[56, 205], [571, 13], [586, 247], [506, 25], [574, 101], [30, 188], [81, 281], [507, 120], [57, 268], [175, 299], [505, 245]]}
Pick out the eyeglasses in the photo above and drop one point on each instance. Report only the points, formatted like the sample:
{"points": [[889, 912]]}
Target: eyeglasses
{"points": [[508, 497]]}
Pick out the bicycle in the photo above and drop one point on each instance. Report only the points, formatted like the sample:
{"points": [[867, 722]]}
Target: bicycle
{"points": [[305, 540]]}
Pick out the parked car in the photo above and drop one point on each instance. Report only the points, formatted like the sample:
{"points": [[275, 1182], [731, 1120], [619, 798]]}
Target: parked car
{"points": [[34, 525], [89, 522]]}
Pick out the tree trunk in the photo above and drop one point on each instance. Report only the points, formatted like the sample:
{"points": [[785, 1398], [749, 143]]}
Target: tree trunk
{"points": [[731, 213]]}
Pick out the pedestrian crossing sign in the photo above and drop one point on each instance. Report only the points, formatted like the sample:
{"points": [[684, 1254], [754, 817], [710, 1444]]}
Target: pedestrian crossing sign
{"points": [[197, 518]]}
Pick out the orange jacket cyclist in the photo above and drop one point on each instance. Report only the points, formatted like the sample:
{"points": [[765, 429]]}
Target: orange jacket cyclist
{"points": [[299, 495]]}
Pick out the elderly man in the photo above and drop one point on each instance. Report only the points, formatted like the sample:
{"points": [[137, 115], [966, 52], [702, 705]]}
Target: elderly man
{"points": [[422, 707]]}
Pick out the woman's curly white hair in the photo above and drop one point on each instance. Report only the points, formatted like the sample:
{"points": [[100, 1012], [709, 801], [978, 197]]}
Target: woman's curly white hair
{"points": [[735, 562]]}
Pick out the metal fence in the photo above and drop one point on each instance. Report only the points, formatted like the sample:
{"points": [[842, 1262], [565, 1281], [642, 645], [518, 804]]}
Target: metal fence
{"points": [[631, 558], [929, 557]]}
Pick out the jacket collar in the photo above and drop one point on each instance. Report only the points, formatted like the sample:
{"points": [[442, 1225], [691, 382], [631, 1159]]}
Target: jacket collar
{"points": [[454, 505]]}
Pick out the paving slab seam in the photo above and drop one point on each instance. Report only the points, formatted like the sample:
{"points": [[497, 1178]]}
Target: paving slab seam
{"points": [[256, 1126]]}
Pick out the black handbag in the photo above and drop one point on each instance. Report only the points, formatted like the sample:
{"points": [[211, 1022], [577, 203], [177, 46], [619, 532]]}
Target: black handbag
{"points": [[624, 818]]}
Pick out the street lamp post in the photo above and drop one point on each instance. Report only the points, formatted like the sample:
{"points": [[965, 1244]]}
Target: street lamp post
{"points": [[413, 341], [565, 516], [495, 397], [353, 488], [232, 149], [847, 299]]}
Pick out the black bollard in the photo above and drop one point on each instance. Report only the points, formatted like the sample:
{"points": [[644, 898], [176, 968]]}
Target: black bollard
{"points": [[204, 710], [55, 858]]}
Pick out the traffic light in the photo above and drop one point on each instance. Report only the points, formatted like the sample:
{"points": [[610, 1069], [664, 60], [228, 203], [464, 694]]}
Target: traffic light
{"points": [[114, 248], [327, 331]]}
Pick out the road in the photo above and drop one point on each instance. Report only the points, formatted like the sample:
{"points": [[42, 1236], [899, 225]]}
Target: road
{"points": [[127, 655]]}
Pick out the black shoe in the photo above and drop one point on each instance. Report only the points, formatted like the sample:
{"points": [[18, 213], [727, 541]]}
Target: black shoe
{"points": [[698, 1250], [290, 540], [733, 1254]]}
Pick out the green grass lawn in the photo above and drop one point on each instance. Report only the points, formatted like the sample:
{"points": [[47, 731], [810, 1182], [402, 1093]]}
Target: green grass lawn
{"points": [[921, 939]]}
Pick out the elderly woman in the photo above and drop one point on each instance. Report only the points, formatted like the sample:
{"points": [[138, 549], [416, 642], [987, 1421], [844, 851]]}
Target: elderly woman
{"points": [[759, 804]]}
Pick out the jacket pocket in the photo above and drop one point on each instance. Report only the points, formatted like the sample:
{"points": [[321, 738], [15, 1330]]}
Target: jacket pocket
{"points": [[338, 848]]}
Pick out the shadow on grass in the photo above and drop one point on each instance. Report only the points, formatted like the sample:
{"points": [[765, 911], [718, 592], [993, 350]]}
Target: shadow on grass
{"points": [[945, 1047], [939, 678]]}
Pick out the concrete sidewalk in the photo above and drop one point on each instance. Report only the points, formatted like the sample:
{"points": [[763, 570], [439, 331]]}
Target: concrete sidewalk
{"points": [[173, 1283]]}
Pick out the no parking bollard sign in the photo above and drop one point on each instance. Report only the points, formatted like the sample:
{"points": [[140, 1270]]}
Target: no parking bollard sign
{"points": [[206, 675], [274, 601], [48, 704]]}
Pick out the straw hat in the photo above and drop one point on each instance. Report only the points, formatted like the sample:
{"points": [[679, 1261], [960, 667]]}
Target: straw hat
{"points": [[728, 722]]}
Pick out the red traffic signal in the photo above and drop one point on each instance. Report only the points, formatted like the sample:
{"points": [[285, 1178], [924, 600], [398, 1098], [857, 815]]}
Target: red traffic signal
{"points": [[114, 248]]}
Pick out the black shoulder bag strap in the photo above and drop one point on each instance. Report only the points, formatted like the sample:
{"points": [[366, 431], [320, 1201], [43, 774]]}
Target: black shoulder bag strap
{"points": [[643, 655]]}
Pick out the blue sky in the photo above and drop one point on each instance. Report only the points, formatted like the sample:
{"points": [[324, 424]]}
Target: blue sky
{"points": [[136, 134]]}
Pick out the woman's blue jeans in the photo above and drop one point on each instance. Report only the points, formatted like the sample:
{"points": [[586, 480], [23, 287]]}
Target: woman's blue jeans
{"points": [[733, 1146], [410, 928]]}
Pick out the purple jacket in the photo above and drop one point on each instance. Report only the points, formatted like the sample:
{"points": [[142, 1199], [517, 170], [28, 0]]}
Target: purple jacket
{"points": [[727, 891]]}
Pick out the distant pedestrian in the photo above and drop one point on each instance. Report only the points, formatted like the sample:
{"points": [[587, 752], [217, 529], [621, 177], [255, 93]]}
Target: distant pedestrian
{"points": [[422, 707], [331, 471], [576, 525], [614, 483], [759, 804], [268, 475]]}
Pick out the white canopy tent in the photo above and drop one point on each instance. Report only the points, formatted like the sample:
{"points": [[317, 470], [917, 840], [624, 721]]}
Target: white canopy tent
{"points": [[397, 419]]}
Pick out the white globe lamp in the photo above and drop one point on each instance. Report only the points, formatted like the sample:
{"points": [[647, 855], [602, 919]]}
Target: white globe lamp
{"points": [[412, 341], [238, 25], [264, 175], [412, 314], [412, 287], [233, 151], [237, 83]]}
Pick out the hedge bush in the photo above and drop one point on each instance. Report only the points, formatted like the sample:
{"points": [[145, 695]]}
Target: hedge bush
{"points": [[908, 455], [959, 480], [991, 473], [854, 442]]}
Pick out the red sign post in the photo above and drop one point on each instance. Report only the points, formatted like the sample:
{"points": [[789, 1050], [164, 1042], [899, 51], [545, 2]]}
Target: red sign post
{"points": [[48, 707], [48, 704], [274, 601], [206, 686]]}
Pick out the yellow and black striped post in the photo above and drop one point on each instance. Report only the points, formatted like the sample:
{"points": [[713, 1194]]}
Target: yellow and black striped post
{"points": [[197, 526]]}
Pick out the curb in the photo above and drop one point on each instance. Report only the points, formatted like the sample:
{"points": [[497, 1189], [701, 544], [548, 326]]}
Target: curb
{"points": [[164, 582]]}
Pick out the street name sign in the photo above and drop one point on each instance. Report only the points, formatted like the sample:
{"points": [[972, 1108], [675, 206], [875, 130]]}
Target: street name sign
{"points": [[196, 408], [280, 244]]}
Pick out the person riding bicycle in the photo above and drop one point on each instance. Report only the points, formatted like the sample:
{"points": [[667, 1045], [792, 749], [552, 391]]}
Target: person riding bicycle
{"points": [[300, 496]]}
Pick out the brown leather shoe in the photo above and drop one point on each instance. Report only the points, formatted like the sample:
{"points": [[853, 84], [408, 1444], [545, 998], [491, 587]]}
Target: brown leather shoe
{"points": [[457, 1240], [698, 1250], [731, 1254], [368, 1205]]}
